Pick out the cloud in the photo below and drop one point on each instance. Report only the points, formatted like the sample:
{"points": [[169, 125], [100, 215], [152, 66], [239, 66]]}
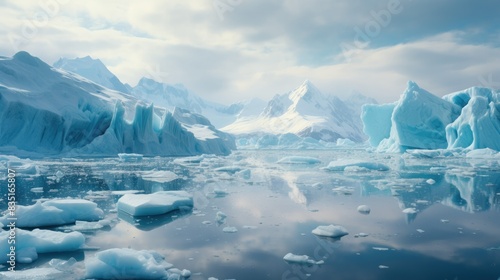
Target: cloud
{"points": [[261, 48]]}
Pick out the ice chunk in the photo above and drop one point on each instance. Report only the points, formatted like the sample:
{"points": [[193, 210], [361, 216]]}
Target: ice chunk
{"points": [[334, 231], [126, 264], [55, 212], [383, 266], [430, 181], [299, 160], [154, 204], [63, 265], [159, 176], [364, 209], [483, 153], [410, 210], [220, 217], [230, 230], [84, 226], [40, 273], [301, 259], [26, 255], [43, 241], [130, 157], [342, 164], [228, 169]]}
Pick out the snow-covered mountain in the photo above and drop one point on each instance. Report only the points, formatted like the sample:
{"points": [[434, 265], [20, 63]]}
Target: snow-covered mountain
{"points": [[46, 111], [306, 112], [92, 69]]}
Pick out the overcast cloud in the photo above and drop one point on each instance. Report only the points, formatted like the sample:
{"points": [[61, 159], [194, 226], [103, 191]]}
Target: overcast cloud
{"points": [[228, 50]]}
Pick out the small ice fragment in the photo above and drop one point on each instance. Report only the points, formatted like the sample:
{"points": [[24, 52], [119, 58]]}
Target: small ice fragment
{"points": [[206, 222], [410, 210], [334, 231], [445, 221], [230, 229], [59, 174], [37, 190], [63, 265], [364, 209], [212, 278], [361, 234], [420, 230], [304, 259], [430, 181], [383, 266], [380, 248], [220, 217]]}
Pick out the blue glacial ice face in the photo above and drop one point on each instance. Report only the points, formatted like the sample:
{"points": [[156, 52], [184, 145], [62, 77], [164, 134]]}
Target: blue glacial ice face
{"points": [[420, 120], [44, 111]]}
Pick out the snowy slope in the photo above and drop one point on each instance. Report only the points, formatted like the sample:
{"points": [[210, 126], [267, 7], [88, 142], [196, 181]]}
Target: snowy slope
{"points": [[45, 111], [92, 69], [306, 112]]}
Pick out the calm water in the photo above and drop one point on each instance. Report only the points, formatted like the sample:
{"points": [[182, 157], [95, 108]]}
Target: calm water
{"points": [[454, 234]]}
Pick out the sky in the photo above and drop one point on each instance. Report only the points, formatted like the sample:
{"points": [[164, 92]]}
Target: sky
{"points": [[232, 50]]}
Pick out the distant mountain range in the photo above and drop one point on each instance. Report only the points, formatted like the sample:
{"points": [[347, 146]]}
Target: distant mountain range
{"points": [[304, 111]]}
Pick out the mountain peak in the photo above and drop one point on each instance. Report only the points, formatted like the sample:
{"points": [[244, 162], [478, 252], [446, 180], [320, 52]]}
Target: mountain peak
{"points": [[92, 69], [27, 58]]}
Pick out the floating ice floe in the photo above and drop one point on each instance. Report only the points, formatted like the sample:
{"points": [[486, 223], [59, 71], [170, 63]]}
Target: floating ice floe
{"points": [[355, 165], [229, 169], [159, 176], [31, 243], [55, 212], [364, 209], [483, 153], [299, 160], [127, 264], [130, 157], [334, 231], [154, 204], [39, 273], [410, 210], [84, 226], [301, 259], [343, 190], [220, 217], [230, 230]]}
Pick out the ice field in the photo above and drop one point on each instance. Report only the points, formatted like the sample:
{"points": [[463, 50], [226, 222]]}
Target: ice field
{"points": [[259, 214]]}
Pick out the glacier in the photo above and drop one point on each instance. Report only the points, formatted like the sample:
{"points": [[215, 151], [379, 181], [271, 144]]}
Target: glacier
{"points": [[468, 119], [49, 112]]}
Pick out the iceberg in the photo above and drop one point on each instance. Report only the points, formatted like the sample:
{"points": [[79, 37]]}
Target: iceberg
{"points": [[468, 119], [334, 231], [123, 263], [42, 241], [49, 112], [154, 204], [478, 126], [355, 165], [55, 212]]}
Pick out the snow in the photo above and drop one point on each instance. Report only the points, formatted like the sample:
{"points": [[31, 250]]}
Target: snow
{"points": [[39, 117], [301, 259], [55, 212], [364, 209], [467, 119], [344, 164], [124, 263], [154, 204], [334, 231], [299, 160], [43, 241]]}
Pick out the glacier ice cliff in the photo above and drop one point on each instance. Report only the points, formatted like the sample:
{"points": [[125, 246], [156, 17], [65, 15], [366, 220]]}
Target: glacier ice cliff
{"points": [[45, 112], [420, 120]]}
